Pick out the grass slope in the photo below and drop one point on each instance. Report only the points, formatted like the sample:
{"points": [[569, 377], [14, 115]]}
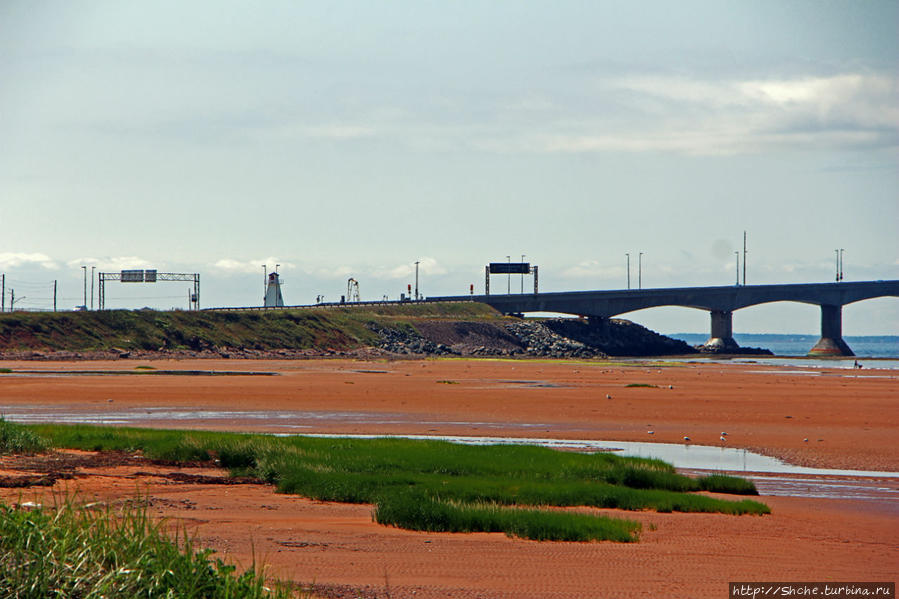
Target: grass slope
{"points": [[335, 327]]}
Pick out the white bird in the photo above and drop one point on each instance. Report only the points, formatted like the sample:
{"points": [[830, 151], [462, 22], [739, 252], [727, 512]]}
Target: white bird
{"points": [[687, 439], [650, 432], [723, 438], [805, 440], [608, 396], [723, 434]]}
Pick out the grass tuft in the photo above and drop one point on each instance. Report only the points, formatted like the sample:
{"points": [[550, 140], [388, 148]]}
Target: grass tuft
{"points": [[721, 483], [420, 512], [68, 551], [15, 438]]}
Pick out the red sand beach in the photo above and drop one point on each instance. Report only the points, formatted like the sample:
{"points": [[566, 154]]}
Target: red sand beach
{"points": [[849, 419]]}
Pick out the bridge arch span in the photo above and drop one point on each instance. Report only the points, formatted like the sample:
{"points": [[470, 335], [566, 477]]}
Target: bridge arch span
{"points": [[720, 302]]}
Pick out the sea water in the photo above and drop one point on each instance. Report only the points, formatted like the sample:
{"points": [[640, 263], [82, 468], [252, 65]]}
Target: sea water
{"points": [[876, 346]]}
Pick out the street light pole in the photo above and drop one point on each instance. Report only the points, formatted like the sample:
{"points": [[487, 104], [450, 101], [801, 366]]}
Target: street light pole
{"points": [[737, 254], [92, 286], [837, 266], [744, 258], [640, 271], [416, 280], [84, 301], [628, 270], [841, 264], [522, 275], [264, 282], [509, 277]]}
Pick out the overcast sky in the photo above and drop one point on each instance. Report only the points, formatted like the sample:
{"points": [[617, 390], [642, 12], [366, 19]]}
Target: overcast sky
{"points": [[344, 139]]}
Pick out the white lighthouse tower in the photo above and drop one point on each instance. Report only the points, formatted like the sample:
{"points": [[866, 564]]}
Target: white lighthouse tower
{"points": [[273, 297]]}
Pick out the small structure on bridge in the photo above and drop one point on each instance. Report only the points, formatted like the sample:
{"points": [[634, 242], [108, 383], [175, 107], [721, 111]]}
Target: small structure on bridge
{"points": [[352, 290], [508, 268], [273, 298]]}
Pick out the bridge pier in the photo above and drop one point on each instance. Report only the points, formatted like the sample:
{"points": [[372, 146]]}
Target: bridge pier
{"points": [[722, 337], [831, 342]]}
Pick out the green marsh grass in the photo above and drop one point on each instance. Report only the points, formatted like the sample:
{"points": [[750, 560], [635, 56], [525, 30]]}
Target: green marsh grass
{"points": [[70, 551], [15, 438], [421, 512], [450, 476]]}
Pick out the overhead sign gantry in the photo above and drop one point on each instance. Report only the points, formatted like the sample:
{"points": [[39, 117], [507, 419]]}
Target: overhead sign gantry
{"points": [[508, 268], [150, 276]]}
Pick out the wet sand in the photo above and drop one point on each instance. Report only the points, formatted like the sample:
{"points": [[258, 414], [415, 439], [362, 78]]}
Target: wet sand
{"points": [[849, 418]]}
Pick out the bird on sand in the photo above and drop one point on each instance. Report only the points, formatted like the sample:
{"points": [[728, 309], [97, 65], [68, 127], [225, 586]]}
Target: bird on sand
{"points": [[687, 439]]}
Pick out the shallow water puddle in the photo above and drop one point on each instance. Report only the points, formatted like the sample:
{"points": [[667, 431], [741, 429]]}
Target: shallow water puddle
{"points": [[284, 420], [67, 373]]}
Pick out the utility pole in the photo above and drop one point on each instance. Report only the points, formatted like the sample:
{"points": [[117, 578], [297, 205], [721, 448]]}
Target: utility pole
{"points": [[522, 275], [640, 271], [3, 292], [737, 254], [84, 302], [416, 280], [744, 258], [628, 270], [837, 265], [841, 264], [92, 286], [264, 282], [54, 295], [509, 277], [12, 300]]}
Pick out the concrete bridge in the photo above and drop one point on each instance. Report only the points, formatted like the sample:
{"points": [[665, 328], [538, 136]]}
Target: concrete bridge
{"points": [[720, 302]]}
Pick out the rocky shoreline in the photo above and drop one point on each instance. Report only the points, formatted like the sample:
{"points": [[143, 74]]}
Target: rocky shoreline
{"points": [[549, 338]]}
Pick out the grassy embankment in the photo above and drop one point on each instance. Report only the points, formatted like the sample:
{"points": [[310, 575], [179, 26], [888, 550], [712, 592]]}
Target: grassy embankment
{"points": [[438, 486], [335, 327]]}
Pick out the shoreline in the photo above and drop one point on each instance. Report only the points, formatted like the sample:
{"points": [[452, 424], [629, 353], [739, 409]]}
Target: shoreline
{"points": [[775, 411], [346, 555]]}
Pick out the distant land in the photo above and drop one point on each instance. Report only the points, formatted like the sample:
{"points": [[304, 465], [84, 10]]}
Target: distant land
{"points": [[865, 346]]}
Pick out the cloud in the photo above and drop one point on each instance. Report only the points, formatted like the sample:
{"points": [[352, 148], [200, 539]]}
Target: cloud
{"points": [[593, 269], [695, 116], [16, 259], [111, 263], [426, 266], [340, 132], [300, 130], [337, 272], [229, 265]]}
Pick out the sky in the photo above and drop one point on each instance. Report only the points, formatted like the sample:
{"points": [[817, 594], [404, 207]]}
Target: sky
{"points": [[352, 139]]}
